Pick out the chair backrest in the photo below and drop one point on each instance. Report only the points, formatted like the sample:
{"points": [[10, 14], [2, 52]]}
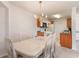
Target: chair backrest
{"points": [[10, 49], [54, 38], [49, 47]]}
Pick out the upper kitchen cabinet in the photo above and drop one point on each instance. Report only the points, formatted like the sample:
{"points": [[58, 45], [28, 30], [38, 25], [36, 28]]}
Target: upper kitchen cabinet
{"points": [[69, 22], [39, 22]]}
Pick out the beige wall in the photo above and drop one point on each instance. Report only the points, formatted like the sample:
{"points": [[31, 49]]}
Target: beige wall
{"points": [[21, 23], [3, 29], [60, 25]]}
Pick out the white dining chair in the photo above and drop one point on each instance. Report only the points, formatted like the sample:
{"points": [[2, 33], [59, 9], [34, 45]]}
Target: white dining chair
{"points": [[50, 46], [10, 49], [54, 41]]}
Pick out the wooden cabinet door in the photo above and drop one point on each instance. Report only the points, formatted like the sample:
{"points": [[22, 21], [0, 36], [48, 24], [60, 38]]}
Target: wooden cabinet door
{"points": [[40, 33], [38, 23], [69, 41], [69, 22], [66, 40], [62, 40]]}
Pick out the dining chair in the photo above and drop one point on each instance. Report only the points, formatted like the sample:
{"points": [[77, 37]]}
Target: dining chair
{"points": [[50, 46], [53, 44], [10, 49]]}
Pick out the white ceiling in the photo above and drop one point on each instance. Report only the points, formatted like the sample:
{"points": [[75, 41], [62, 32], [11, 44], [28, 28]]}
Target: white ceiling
{"points": [[50, 7]]}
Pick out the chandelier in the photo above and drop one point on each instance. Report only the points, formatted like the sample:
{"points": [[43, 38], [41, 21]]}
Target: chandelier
{"points": [[42, 10]]}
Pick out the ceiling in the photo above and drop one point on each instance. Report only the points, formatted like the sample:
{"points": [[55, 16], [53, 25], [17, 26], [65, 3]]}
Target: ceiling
{"points": [[50, 7]]}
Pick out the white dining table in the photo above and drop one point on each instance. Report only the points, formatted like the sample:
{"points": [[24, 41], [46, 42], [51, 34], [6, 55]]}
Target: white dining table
{"points": [[29, 47]]}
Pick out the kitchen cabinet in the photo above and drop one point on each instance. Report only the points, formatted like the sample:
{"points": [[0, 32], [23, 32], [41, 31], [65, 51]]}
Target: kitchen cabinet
{"points": [[66, 40], [40, 33], [69, 22], [39, 22]]}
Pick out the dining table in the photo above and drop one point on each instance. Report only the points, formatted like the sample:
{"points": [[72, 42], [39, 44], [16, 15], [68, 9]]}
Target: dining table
{"points": [[29, 47]]}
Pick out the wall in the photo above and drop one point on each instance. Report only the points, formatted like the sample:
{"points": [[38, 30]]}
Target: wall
{"points": [[3, 29], [21, 23], [60, 26], [75, 28]]}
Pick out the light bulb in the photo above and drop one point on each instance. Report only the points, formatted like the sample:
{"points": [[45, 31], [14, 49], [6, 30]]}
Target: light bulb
{"points": [[46, 16], [42, 14]]}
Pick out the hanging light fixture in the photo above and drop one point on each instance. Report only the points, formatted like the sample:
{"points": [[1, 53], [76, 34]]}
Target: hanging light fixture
{"points": [[41, 10]]}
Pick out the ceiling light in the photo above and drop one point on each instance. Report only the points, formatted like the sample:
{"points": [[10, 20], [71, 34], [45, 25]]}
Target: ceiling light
{"points": [[57, 16]]}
